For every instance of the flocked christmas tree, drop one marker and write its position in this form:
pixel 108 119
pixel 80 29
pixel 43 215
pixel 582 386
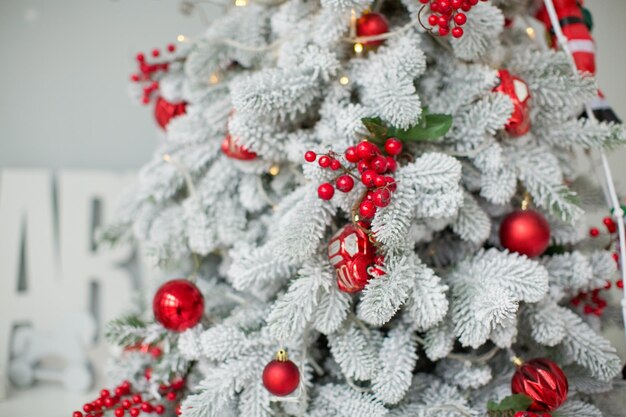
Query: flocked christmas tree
pixel 372 204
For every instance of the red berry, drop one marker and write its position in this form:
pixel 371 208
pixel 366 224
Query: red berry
pixel 391 184
pixel 392 165
pixel 171 396
pixel 178 383
pixel 382 197
pixel 108 402
pixel 362 165
pixel 379 164
pixel 310 156
pixel 460 19
pixel 610 224
pixel 134 77
pixel 368 176
pixel 594 232
pixel 457 32
pixel 601 303
pixel 77 414
pixel 324 161
pixel 379 181
pixel 125 386
pixel 137 398
pixel 424 1
pixel 588 309
pixel 456 4
pixel 366 150
pixel 443 31
pixel 608 285
pixel 171 47
pixel 140 57
pixel 433 20
pixel 325 191
pixel 119 412
pixel 367 209
pixel 393 146
pixel 575 301
pixel 145 99
pixel 444 5
pixel 466 7
pixel 473 2
pixel 345 183
pixel 442 21
pixel 156 52
pixel 105 393
pixel 146 407
pixel 620 284
pixel 352 155
pixel 87 407
pixel 178 410
pixel 126 404
pixel 134 412
pixel 159 409
pixel 335 165
pixel 616 257
pixel 369 196
pixel 119 391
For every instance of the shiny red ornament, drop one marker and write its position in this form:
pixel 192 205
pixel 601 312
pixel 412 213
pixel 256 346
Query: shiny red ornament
pixel 164 111
pixel 178 305
pixel 543 381
pixel 526 232
pixel 372 24
pixel 354 257
pixel 281 376
pixel 232 149
pixel 517 90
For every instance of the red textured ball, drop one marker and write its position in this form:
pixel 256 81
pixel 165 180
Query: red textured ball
pixel 119 412
pixel 366 150
pixel 382 197
pixel 457 32
pixel 368 177
pixel 77 414
pixel 326 191
pixel 345 183
pixel 134 412
pixel 393 146
pixel 526 232
pixel 460 19
pixel 379 164
pixel 310 156
pixel 367 209
pixel 281 377
pixel 352 155
pixel 392 165
pixel 372 24
pixel 335 164
pixel 324 161
pixel 164 111
pixel 543 381
pixel 363 165
pixel 178 305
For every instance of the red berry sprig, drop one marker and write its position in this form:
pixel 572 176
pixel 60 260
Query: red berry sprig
pixel 149 72
pixel 373 167
pixel 448 15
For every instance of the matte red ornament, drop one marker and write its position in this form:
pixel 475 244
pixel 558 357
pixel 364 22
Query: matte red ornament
pixel 178 305
pixel 526 232
pixel 164 111
pixel 281 376
pixel 517 90
pixel 232 149
pixel 543 381
pixel 372 24
pixel 353 256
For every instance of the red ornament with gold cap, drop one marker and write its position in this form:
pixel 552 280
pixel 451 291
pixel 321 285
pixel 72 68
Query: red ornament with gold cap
pixel 543 381
pixel 517 90
pixel 281 376
pixel 234 150
pixel 371 24
pixel 525 231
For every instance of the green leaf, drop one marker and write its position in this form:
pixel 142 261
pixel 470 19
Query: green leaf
pixel 517 402
pixel 430 127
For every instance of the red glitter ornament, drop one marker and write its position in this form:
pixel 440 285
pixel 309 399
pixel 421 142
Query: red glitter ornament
pixel 517 90
pixel 281 376
pixel 178 305
pixel 232 149
pixel 372 24
pixel 164 111
pixel 543 381
pixel 526 232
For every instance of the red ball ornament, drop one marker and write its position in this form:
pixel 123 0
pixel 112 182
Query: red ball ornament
pixel 232 149
pixel 281 376
pixel 372 24
pixel 353 255
pixel 543 381
pixel 178 305
pixel 517 90
pixel 526 232
pixel 164 111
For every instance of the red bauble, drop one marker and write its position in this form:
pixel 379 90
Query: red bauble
pixel 526 232
pixel 232 149
pixel 543 381
pixel 281 376
pixel 353 256
pixel 517 90
pixel 164 111
pixel 178 305
pixel 372 24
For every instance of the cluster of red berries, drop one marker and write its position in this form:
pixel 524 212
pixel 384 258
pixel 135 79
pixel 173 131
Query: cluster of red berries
pixel 446 13
pixel 374 168
pixel 123 400
pixel 593 303
pixel 531 414
pixel 148 71
pixel 610 225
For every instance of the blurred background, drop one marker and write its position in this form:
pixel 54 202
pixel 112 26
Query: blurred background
pixel 69 131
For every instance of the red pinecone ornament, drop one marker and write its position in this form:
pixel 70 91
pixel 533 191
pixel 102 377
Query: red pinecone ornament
pixel 543 381
pixel 232 149
pixel 526 232
pixel 164 111
pixel 178 305
pixel 372 24
pixel 517 90
pixel 281 376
